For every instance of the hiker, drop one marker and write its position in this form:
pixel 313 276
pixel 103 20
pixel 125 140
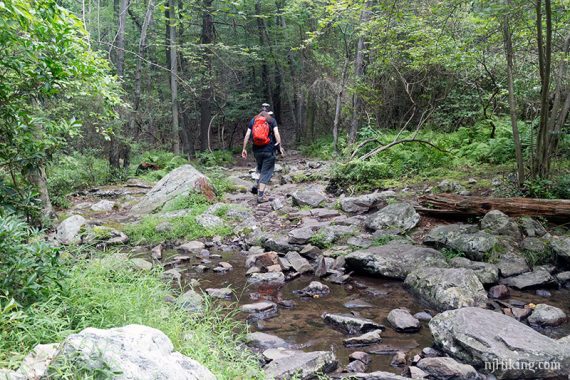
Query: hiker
pixel 266 141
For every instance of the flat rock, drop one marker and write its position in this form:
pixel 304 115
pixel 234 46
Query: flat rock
pixel 180 181
pixel 298 262
pixel 499 292
pixel 209 221
pixel 192 247
pixel 300 235
pixel 301 365
pixel 269 278
pixel 397 216
pixel 464 238
pixel 447 288
pixel 191 301
pixel 36 364
pixel 222 293
pixel 310 198
pixel 262 260
pixel 546 315
pixel 403 321
pixel 498 223
pixel 512 265
pixel 103 205
pixel 133 351
pixel 67 232
pixel 561 247
pixel 447 368
pixel 365 202
pixel 530 280
pixel 265 341
pixel 394 260
pixel 376 375
pixel 315 288
pixel 372 337
pixel 350 324
pixel 477 336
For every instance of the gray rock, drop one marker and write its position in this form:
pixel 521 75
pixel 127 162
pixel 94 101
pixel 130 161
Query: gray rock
pixel 133 352
pixel 487 273
pixel 360 242
pixel 356 366
pixel 350 324
pixel 310 252
pixel 310 198
pixel 563 277
pixel 172 275
pixel 512 265
pixel 103 205
pixel 423 316
pixel 301 365
pixel 561 247
pixel 156 252
pixel 180 181
pixel 447 368
pixel 164 226
pixel 265 341
pixel 364 203
pixel 190 301
pixel 192 247
pixel 300 235
pixel 546 315
pixel 535 245
pixel 399 359
pixel 499 292
pixel 357 304
pixel 403 321
pixel 222 293
pixel 497 223
pixel 531 227
pixel 417 373
pixel 6 374
pixel 463 238
pixel 298 262
pixel 447 186
pixel 36 364
pixel 262 260
pixel 278 244
pixel 394 260
pixel 397 216
pixel 447 288
pixel 259 307
pixel 376 375
pixel 68 231
pixel 209 221
pixel 366 339
pixel 315 288
pixel 141 264
pixel 530 280
pixel 478 336
pixel 269 278
pixel 277 204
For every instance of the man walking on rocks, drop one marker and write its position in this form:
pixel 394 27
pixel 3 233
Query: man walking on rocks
pixel 266 140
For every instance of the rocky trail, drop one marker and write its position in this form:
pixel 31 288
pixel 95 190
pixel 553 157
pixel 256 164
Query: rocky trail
pixel 354 286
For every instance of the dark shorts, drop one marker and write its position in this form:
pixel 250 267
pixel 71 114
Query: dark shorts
pixel 265 165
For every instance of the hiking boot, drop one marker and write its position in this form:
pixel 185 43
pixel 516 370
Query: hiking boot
pixel 254 190
pixel 262 200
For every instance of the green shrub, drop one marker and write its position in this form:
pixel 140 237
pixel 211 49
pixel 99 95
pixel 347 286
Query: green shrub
pixel 29 267
pixel 108 293
pixel 215 158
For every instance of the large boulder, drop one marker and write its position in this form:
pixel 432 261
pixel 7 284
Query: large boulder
pixel 365 202
pixel 394 260
pixel 447 288
pixel 475 244
pixel 536 278
pixel 531 227
pixel 132 352
pixel 561 247
pixel 180 181
pixel 309 198
pixel 546 315
pixel 485 338
pixel 300 365
pixel 498 223
pixel 68 231
pixel 397 216
pixel 36 364
pixel 487 273
pixel 263 341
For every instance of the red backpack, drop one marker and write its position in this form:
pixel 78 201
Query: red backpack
pixel 260 131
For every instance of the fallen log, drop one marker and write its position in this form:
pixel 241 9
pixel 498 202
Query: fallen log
pixel 456 205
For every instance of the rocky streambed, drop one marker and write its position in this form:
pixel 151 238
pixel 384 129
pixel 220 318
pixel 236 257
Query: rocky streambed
pixel 364 286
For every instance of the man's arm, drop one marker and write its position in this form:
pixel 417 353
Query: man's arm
pixel 278 140
pixel 245 140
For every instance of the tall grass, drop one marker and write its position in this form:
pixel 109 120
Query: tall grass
pixel 108 293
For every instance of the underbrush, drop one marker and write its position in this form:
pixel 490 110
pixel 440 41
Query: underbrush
pixel 108 293
pixel 461 154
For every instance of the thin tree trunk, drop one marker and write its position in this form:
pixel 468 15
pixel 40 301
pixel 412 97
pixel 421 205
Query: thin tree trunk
pixel 512 101
pixel 338 106
pixel 265 77
pixel 359 73
pixel 142 50
pixel 37 177
pixel 542 164
pixel 173 74
pixel 206 97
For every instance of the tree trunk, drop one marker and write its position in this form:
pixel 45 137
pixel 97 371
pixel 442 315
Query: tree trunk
pixel 37 177
pixel 457 205
pixel 543 153
pixel 512 101
pixel 138 73
pixel 338 106
pixel 206 97
pixel 267 82
pixel 359 73
pixel 173 76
